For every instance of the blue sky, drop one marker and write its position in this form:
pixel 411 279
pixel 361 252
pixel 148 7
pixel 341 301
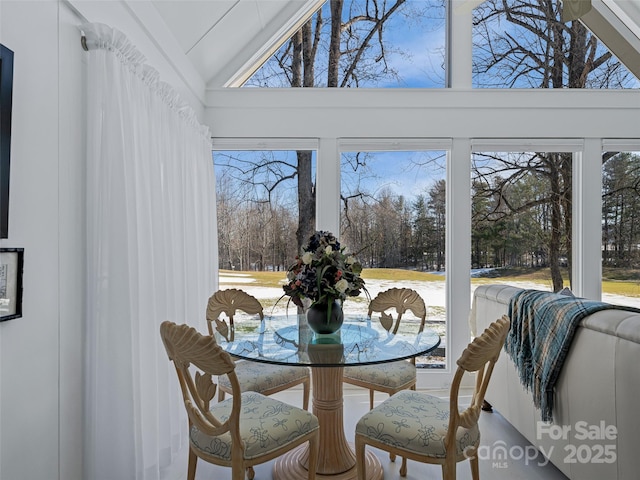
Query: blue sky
pixel 415 45
pixel 404 173
pixel 422 40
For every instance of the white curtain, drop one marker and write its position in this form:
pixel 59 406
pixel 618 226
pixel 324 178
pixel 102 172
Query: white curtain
pixel 151 256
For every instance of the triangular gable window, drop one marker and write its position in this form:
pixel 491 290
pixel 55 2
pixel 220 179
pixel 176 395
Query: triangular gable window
pixel 393 44
pixel 516 46
pixel 402 44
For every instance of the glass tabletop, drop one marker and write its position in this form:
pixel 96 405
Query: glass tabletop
pixel 288 340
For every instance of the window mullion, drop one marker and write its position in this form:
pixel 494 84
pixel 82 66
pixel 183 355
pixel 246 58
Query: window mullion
pixel 586 272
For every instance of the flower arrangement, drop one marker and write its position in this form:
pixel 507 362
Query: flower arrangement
pixel 324 272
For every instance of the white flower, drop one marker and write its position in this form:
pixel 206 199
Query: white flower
pixel 328 250
pixel 307 258
pixel 342 285
pixel 350 260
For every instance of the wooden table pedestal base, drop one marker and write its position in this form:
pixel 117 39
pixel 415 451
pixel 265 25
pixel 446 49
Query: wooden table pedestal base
pixel 291 466
pixel 336 456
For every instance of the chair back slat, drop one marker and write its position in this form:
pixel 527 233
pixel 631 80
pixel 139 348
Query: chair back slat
pixel 486 347
pixel 400 299
pixel 186 347
pixel 480 357
pixel 229 302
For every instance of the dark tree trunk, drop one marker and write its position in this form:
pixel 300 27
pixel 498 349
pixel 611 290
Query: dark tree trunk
pixel 334 44
pixel 306 190
pixel 296 60
pixel 306 199
pixel 566 171
pixel 556 222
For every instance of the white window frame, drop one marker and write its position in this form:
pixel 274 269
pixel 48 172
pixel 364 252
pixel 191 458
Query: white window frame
pixel 456 334
pixel 587 178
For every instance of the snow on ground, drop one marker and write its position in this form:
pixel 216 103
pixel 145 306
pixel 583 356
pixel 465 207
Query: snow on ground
pixel 433 293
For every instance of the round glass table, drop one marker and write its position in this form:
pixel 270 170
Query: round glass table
pixel 288 340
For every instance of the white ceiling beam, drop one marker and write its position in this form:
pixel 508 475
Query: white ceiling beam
pixel 276 30
pixel 192 20
pixel 628 11
pixel 415 113
pixel 614 33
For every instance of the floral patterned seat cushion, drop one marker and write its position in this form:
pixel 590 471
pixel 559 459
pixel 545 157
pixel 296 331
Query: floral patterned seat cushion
pixel 390 375
pixel 258 377
pixel 266 424
pixel 415 422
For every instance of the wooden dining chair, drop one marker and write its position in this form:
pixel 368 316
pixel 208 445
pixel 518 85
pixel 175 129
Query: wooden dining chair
pixel 253 376
pixel 395 376
pixel 243 431
pixel 430 429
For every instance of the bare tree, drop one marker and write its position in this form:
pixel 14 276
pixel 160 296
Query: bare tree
pixel 621 209
pixel 347 52
pixel 536 49
pixel 437 210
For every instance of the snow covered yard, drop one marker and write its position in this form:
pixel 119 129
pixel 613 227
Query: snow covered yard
pixel 433 293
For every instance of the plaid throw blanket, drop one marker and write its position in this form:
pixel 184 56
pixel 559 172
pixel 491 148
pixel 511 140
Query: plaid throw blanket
pixel 542 328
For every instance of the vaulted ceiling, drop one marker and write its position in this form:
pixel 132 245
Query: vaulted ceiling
pixel 617 24
pixel 225 39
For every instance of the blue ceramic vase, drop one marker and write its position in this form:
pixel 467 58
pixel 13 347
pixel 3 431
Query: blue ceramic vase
pixel 323 321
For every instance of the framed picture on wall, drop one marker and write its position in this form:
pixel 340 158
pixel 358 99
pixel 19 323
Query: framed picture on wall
pixel 11 266
pixel 6 95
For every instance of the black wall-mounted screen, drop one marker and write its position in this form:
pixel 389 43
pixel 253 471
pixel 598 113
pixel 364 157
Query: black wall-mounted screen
pixel 6 95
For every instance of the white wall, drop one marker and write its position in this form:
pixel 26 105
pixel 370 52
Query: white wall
pixel 30 346
pixel 41 353
pixel 41 374
pixel 71 248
